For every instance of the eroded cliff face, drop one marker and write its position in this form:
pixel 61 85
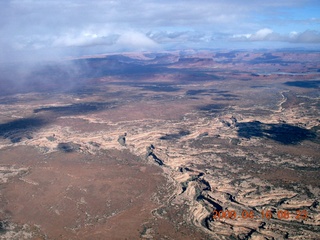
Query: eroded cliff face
pixel 207 158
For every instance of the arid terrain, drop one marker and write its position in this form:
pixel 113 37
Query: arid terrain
pixel 153 145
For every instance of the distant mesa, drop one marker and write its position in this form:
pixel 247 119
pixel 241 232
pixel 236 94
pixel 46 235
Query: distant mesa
pixel 282 133
pixel 268 58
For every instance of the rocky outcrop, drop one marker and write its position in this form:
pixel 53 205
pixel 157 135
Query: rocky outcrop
pixel 122 139
pixel 151 154
pixel 230 122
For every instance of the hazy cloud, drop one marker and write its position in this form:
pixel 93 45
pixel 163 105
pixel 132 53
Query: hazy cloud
pixel 306 37
pixel 84 39
pixel 267 34
pixel 178 36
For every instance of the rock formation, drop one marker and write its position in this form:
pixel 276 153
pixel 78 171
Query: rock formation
pixel 122 139
pixel 153 155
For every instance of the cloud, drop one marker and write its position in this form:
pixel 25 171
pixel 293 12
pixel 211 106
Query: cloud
pixel 178 36
pixel 266 34
pixel 135 40
pixel 49 29
pixel 84 39
pixel 261 35
pixel 306 37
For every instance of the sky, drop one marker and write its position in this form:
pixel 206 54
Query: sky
pixel 41 29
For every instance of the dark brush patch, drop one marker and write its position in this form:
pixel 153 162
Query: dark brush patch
pixel 225 99
pixel 3 227
pixel 10 100
pixel 174 136
pixel 149 86
pixel 282 133
pixel 227 95
pixel 197 76
pixel 77 108
pixel 217 91
pixel 304 84
pixel 99 67
pixel 205 92
pixel 85 90
pixel 213 108
pixel 195 92
pixel 68 147
pixel 231 54
pixel 187 60
pixel 159 88
pixel 17 129
pixel 254 75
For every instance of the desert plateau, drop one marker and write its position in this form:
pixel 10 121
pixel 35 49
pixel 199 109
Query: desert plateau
pixel 188 144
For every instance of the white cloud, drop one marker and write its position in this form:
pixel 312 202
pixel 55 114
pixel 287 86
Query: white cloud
pixel 261 35
pixel 135 40
pixel 293 34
